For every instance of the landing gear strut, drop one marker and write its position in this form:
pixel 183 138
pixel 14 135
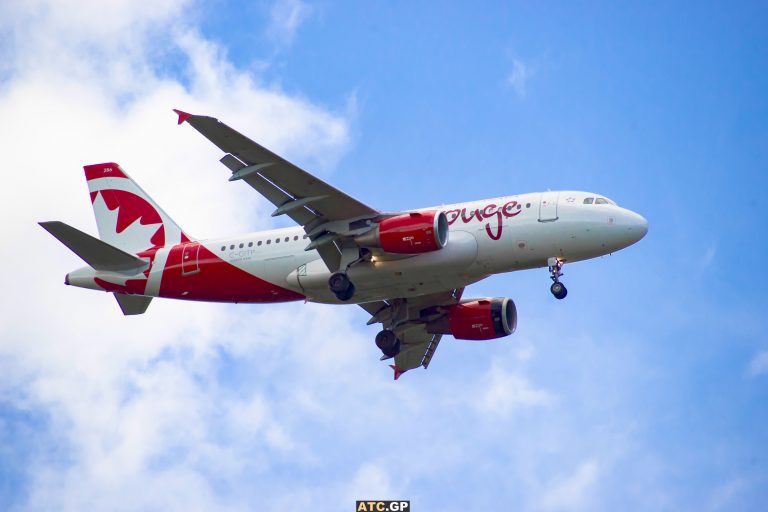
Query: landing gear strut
pixel 341 286
pixel 558 289
pixel 388 343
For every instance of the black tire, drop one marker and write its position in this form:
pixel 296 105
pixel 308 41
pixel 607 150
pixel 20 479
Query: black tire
pixel 388 343
pixel 558 290
pixel 385 339
pixel 339 282
pixel 392 351
pixel 346 294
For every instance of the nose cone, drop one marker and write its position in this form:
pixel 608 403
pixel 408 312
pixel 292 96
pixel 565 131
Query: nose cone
pixel 635 225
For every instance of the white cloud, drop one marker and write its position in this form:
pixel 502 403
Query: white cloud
pixel 507 392
pixel 519 76
pixel 285 18
pixel 371 481
pixel 136 403
pixel 759 364
pixel 573 491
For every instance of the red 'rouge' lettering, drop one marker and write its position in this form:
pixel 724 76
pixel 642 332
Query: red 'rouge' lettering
pixel 488 211
pixel 507 209
pixel 475 213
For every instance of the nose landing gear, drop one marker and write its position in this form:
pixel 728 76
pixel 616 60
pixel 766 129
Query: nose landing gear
pixel 558 289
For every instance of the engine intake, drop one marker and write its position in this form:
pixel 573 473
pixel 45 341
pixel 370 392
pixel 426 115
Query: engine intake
pixel 409 233
pixel 478 319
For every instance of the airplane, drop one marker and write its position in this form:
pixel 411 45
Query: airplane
pixel 407 269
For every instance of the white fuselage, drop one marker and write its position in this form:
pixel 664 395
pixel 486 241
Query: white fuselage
pixel 486 237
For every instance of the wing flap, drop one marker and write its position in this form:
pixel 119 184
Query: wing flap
pixel 414 355
pixel 408 318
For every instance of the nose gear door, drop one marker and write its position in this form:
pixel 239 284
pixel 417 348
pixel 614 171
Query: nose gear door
pixel 548 206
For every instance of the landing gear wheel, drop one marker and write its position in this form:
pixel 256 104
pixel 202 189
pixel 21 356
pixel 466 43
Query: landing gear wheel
pixel 338 282
pixel 388 343
pixel 346 294
pixel 341 286
pixel 559 290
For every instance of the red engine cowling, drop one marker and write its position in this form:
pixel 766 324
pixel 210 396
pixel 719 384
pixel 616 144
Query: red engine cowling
pixel 481 319
pixel 410 233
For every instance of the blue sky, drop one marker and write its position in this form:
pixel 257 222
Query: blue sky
pixel 646 389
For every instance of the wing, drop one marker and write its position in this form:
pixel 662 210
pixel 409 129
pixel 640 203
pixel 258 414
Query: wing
pixel 418 347
pixel 322 210
pixel 408 318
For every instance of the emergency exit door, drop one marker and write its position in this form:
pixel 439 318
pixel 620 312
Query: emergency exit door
pixel 189 254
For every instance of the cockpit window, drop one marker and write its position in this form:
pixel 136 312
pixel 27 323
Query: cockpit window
pixel 601 200
pixel 589 200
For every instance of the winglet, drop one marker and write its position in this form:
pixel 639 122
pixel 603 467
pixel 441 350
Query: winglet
pixel 183 116
pixel 398 371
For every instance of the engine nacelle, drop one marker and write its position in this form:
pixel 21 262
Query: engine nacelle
pixel 480 319
pixel 410 233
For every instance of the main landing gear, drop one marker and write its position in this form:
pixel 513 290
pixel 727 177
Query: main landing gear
pixel 339 282
pixel 341 286
pixel 558 289
pixel 388 343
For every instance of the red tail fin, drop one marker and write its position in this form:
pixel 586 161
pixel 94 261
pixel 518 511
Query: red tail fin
pixel 126 216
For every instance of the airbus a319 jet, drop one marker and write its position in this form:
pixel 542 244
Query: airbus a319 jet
pixel 408 269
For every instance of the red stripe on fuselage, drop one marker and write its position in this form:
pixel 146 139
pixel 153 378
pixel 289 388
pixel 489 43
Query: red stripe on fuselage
pixel 217 281
pixel 131 287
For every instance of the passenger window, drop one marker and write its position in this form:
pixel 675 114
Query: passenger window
pixel 601 200
pixel 250 244
pixel 269 242
pixel 589 200
pixel 232 247
pixel 242 245
pixel 305 236
pixel 223 247
pixel 287 238
pixel 295 238
pixel 258 243
pixel 277 240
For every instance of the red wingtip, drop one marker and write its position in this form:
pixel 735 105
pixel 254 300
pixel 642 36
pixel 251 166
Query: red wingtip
pixel 398 371
pixel 183 116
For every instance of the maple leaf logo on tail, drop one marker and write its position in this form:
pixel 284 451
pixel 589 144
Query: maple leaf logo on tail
pixel 126 216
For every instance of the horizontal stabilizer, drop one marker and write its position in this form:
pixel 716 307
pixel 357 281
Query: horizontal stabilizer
pixel 132 304
pixel 98 254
